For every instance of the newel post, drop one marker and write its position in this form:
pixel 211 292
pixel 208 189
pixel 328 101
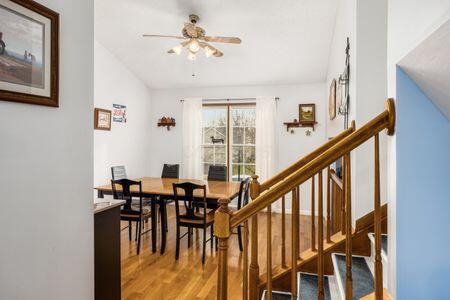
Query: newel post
pixel 255 188
pixel 222 231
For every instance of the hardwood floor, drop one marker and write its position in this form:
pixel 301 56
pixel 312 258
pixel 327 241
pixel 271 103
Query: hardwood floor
pixel 154 276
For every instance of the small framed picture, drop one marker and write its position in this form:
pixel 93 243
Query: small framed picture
pixel 307 113
pixel 102 119
pixel 29 53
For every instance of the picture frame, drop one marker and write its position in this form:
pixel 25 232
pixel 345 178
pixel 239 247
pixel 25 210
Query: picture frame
pixel 102 119
pixel 29 53
pixel 332 100
pixel 307 113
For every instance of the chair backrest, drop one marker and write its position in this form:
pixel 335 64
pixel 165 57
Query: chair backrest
pixel 118 172
pixel 217 173
pixel 126 193
pixel 190 201
pixel 244 191
pixel 170 171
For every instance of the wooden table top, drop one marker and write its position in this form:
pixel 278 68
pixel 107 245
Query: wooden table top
pixel 163 186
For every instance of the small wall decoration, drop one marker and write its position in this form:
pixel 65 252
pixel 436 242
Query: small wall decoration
pixel 307 113
pixel 119 113
pixel 29 53
pixel 332 100
pixel 102 119
pixel 166 122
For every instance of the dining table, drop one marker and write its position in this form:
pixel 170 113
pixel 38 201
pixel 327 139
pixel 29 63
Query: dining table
pixel 160 192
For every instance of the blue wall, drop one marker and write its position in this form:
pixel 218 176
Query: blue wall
pixel 423 195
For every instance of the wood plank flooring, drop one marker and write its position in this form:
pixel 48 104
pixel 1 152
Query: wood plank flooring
pixel 154 276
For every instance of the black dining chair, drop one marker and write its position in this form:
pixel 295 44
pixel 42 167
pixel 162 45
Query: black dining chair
pixel 217 173
pixel 118 172
pixel 243 197
pixel 171 171
pixel 187 215
pixel 131 211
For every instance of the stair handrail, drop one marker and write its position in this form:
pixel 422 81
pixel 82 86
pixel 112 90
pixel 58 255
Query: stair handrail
pixel 289 180
pixel 385 120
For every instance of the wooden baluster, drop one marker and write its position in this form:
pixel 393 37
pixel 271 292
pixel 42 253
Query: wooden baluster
pixel 313 214
pixel 328 205
pixel 320 263
pixel 298 223
pixel 343 172
pixel 269 253
pixel 377 225
pixel 294 243
pixel 283 232
pixel 245 267
pixel 254 266
pixel 348 227
pixel 222 230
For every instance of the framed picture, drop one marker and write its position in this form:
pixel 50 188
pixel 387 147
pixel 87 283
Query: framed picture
pixel 332 101
pixel 119 113
pixel 307 113
pixel 29 53
pixel 102 119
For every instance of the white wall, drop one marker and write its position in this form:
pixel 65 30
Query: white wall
pixel 127 143
pixel 365 23
pixel 291 147
pixel 409 23
pixel 46 220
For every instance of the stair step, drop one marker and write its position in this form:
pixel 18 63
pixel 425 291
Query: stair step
pixel 384 244
pixel 308 286
pixel 277 295
pixel 363 283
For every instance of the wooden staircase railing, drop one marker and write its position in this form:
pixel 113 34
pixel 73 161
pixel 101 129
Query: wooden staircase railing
pixel 289 181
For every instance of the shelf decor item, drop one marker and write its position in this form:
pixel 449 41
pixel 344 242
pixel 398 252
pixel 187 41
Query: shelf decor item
pixel 29 53
pixel 166 122
pixel 102 119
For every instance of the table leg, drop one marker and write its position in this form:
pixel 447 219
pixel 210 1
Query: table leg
pixel 100 194
pixel 154 226
pixel 162 207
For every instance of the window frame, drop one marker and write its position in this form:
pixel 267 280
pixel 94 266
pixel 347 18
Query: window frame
pixel 229 128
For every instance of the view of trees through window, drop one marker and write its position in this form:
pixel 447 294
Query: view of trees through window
pixel 236 123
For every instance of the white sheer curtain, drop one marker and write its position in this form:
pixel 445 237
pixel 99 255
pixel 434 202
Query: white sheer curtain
pixel 266 151
pixel 192 139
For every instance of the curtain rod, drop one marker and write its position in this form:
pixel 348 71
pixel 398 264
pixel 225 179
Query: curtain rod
pixel 231 99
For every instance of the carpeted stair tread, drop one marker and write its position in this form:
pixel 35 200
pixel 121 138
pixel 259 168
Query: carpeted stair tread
pixel 362 277
pixel 308 286
pixel 276 295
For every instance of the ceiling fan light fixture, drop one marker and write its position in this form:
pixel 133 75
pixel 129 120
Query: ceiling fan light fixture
pixel 191 56
pixel 194 46
pixel 177 49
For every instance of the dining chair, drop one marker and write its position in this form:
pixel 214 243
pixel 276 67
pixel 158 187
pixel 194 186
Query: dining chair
pixel 131 211
pixel 217 173
pixel 118 172
pixel 190 217
pixel 243 197
pixel 171 171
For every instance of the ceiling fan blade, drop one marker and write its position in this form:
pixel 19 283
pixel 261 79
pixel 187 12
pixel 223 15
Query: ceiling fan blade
pixel 217 52
pixel 164 36
pixel 222 39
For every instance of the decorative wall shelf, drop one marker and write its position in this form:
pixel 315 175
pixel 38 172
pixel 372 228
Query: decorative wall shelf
pixel 297 124
pixel 166 122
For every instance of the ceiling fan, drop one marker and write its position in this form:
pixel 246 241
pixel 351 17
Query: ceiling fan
pixel 194 39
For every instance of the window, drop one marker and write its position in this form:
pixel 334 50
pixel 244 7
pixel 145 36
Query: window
pixel 229 139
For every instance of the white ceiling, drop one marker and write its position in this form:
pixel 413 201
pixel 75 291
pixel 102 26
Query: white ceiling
pixel 283 41
pixel 429 66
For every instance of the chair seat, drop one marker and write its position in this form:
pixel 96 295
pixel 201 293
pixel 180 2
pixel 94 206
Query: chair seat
pixel 209 218
pixel 134 213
